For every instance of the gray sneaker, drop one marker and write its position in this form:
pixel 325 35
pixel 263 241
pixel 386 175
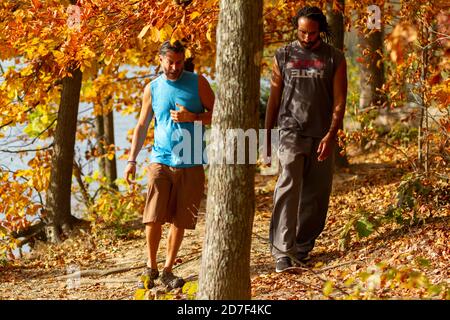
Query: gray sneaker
pixel 283 264
pixel 147 279
pixel 171 281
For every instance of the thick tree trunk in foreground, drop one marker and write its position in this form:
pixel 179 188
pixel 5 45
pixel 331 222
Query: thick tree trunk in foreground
pixel 58 217
pixel 225 268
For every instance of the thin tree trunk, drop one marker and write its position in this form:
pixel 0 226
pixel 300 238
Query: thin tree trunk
pixel 225 267
pixel 336 22
pixel 111 166
pixel 422 138
pixel 105 138
pixel 100 133
pixel 372 71
pixel 58 212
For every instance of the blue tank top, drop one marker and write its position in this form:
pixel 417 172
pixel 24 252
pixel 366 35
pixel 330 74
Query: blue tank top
pixel 176 144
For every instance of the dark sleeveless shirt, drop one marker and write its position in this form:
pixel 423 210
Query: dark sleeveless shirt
pixel 307 98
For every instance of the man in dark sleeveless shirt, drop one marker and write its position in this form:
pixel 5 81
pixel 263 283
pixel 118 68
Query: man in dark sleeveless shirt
pixel 307 97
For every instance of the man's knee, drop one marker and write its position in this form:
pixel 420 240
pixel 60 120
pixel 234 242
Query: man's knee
pixel 154 225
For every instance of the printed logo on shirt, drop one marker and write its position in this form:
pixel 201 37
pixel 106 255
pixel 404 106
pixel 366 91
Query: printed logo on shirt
pixel 302 68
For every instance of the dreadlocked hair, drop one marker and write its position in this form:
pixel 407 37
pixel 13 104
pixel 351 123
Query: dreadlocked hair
pixel 314 13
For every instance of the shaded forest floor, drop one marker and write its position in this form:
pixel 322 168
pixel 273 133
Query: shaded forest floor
pixel 397 260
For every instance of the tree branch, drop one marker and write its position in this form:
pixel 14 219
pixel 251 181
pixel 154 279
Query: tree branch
pixel 27 150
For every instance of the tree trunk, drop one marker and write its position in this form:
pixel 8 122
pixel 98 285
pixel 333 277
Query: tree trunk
pixel 58 217
pixel 111 167
pixel 225 267
pixel 105 138
pixel 100 133
pixel 372 70
pixel 336 22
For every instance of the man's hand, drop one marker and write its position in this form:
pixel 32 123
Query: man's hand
pixel 130 170
pixel 267 157
pixel 325 147
pixel 183 115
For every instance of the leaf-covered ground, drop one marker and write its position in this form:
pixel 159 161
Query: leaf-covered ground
pixel 398 258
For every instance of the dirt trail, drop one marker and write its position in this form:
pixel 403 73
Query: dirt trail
pixel 110 267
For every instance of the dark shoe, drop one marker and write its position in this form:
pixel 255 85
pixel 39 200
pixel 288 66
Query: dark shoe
pixel 302 259
pixel 171 281
pixel 147 279
pixel 283 264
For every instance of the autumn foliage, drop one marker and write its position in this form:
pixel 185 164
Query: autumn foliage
pixel 42 40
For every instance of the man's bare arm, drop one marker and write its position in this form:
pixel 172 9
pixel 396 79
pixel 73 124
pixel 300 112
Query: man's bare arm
pixel 273 104
pixel 140 132
pixel 339 98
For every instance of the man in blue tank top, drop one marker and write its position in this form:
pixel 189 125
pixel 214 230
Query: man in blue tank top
pixel 307 99
pixel 182 103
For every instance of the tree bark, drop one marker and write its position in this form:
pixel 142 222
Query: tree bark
pixel 336 23
pixel 58 216
pixel 100 135
pixel 372 70
pixel 110 165
pixel 105 138
pixel 225 267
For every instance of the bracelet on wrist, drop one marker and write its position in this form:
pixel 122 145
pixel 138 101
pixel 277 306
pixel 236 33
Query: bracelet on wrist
pixel 131 162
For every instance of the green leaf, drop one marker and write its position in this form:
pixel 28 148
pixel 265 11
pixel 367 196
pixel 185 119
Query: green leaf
pixel 423 262
pixel 364 227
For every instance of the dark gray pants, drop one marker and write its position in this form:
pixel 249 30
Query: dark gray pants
pixel 301 195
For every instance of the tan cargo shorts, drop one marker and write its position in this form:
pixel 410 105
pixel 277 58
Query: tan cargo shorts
pixel 174 195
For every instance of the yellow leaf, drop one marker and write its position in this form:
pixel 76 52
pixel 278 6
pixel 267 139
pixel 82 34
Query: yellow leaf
pixel 108 60
pixel 42 50
pixel 328 288
pixel 318 265
pixel 211 4
pixel 165 33
pixel 26 71
pixel 139 294
pixel 209 34
pixel 155 35
pixel 177 34
pixel 195 14
pixel 143 31
pixel 190 288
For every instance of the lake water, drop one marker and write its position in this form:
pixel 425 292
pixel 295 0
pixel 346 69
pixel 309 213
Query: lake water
pixel 16 161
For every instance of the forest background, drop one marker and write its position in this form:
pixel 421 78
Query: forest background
pixel 61 163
